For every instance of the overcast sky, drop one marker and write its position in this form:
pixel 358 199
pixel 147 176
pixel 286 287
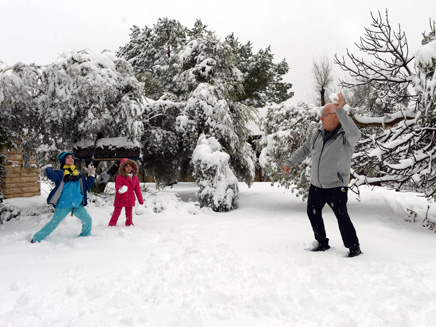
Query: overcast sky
pixel 297 30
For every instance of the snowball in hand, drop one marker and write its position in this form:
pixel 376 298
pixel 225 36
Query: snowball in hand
pixel 334 98
pixel 123 189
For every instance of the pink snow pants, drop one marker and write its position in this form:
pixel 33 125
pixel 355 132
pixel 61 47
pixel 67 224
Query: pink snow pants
pixel 116 214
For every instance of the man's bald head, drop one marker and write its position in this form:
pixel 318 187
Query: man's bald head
pixel 329 118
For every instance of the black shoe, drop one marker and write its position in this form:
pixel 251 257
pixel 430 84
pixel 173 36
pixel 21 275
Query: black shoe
pixel 32 241
pixel 354 252
pixel 321 247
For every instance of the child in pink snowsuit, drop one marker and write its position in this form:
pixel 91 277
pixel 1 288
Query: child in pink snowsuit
pixel 126 186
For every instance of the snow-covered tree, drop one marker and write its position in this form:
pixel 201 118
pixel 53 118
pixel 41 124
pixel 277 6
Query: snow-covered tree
pixel 218 184
pixel 390 72
pixel 20 87
pixel 153 52
pixel 286 127
pixel 322 74
pixel 402 157
pixel 201 91
pixel 162 149
pixel 208 87
pixel 262 78
pixel 367 101
pixel 86 95
pixel 212 108
pixel 19 90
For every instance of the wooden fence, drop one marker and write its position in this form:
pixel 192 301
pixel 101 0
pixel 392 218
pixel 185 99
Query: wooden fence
pixel 19 181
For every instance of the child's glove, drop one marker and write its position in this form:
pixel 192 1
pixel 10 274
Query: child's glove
pixel 140 209
pixel 123 189
pixel 91 170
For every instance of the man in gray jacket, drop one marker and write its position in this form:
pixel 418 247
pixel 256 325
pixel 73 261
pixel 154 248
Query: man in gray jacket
pixel 331 148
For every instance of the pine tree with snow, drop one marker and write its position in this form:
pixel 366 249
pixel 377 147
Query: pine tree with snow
pixel 212 108
pixel 262 78
pixel 198 74
pixel 153 53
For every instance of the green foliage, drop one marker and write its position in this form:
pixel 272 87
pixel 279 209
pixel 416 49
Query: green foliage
pixel 262 78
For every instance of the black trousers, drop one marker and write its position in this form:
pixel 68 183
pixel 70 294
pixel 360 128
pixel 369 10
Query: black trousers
pixel 337 199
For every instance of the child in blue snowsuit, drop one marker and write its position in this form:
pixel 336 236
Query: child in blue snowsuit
pixel 69 195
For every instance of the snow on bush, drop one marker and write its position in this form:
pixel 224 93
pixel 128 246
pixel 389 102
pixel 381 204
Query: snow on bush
pixel 7 212
pixel 212 172
pixel 286 127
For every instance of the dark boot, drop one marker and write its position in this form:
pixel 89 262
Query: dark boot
pixel 354 251
pixel 324 246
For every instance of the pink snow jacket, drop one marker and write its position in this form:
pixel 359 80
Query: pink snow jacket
pixel 127 199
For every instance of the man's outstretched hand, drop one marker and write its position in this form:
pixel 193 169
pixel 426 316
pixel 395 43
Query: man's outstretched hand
pixel 286 169
pixel 341 101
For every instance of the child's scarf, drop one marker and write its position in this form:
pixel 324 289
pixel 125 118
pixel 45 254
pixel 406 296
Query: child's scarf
pixel 70 173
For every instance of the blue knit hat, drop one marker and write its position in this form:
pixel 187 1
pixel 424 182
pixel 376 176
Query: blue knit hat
pixel 62 156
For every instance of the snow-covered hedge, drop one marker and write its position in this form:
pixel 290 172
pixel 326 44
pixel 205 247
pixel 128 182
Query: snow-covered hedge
pixel 8 212
pixel 218 184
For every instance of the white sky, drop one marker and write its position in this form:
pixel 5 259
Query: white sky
pixel 297 30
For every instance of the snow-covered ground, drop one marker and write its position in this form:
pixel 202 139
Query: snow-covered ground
pixel 184 266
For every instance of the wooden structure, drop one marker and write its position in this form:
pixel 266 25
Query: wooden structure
pixel 19 181
pixel 107 149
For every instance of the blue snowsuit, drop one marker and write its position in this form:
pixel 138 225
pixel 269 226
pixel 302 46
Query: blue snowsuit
pixel 67 197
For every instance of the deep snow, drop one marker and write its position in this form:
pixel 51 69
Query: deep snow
pixel 185 266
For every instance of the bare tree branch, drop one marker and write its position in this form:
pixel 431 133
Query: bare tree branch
pixel 390 67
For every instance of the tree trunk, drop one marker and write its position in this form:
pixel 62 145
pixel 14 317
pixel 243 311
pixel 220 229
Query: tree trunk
pixel 322 97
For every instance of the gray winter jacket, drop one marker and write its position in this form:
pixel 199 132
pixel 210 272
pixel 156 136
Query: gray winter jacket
pixel 331 161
